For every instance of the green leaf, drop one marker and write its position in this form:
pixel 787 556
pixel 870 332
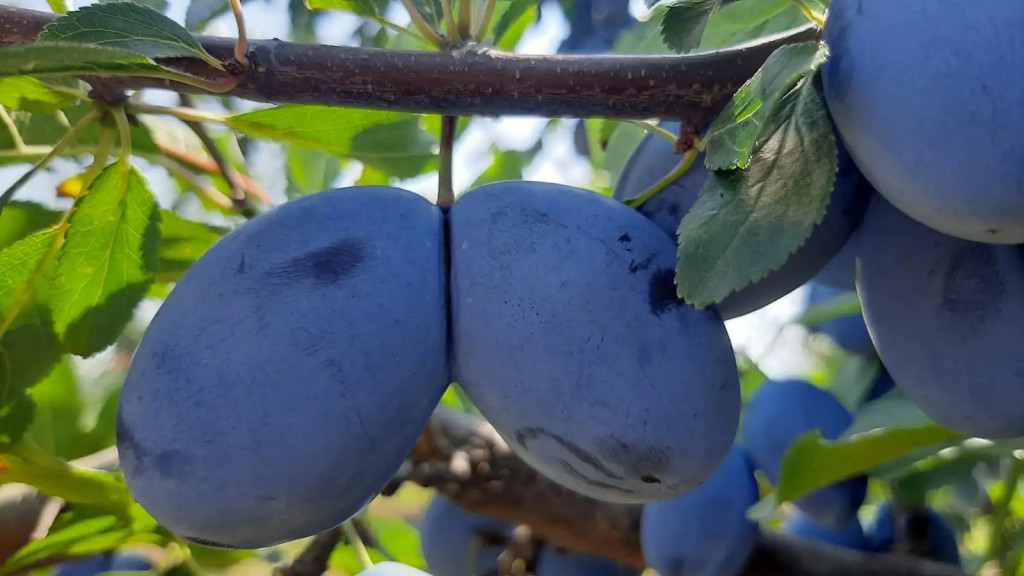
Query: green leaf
pixel 516 9
pixel 31 95
pixel 891 411
pixel 832 309
pixel 130 27
pixel 310 171
pixel 400 539
pixel 15 418
pixel 683 23
pixel 391 141
pixel 57 427
pixel 64 59
pixel 365 8
pixel 19 219
pixel 505 166
pixel 182 242
pixel 107 262
pixel 747 223
pixel 735 135
pixel 813 462
pixel 431 11
pixel 747 20
pixel 90 533
pixel 29 349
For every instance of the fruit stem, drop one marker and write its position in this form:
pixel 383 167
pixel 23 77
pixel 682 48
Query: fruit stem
pixel 445 189
pixel 653 129
pixel 684 165
pixel 483 25
pixel 466 19
pixel 810 13
pixel 838 307
pixel 999 549
pixel 421 24
pixel 19 142
pixel 449 21
pixel 352 535
pixel 242 45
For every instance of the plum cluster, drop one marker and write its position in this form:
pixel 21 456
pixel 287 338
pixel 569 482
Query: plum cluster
pixel 289 373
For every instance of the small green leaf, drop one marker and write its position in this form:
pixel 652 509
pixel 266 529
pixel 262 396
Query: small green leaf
pixel 15 418
pixel 683 23
pixel 890 411
pixel 516 9
pixel 832 309
pixel 130 27
pixel 747 20
pixel 182 242
pixel 107 262
pixel 91 533
pixel 736 134
pixel 391 141
pixel 19 219
pixel 813 462
pixel 31 95
pixel 64 59
pixel 505 166
pixel 58 6
pixel 57 426
pixel 310 171
pixel 399 539
pixel 747 223
pixel 365 8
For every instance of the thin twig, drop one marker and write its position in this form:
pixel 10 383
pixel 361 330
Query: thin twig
pixel 238 195
pixel 242 46
pixel 352 535
pixel 313 560
pixel 19 142
pixel 181 113
pixel 192 179
pixel 682 168
pixel 445 188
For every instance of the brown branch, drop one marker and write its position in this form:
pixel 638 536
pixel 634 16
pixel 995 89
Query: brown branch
pixel 471 81
pixel 313 560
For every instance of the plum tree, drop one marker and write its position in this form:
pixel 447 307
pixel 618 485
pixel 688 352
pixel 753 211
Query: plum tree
pixel 100 563
pixel 918 525
pixel 569 338
pixel 943 58
pixel 946 315
pixel 655 159
pixel 705 532
pixel 848 332
pixel 779 413
pixel 393 569
pixel 453 541
pixel 331 307
pixel 849 535
pixel 555 562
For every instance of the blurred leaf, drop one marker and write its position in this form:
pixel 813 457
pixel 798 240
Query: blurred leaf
pixel 357 7
pixel 346 559
pixel 431 11
pixel 751 376
pixel 57 424
pixel 31 95
pixel 399 539
pixel 130 27
pixel 739 130
pixel 890 411
pixel 201 12
pixel 89 533
pixel 310 171
pixel 47 129
pixel 69 59
pixel 813 462
pixel 621 145
pixel 58 6
pixel 682 25
pixel 747 223
pixel 504 166
pixel 182 242
pixel 28 347
pixel 942 468
pixel 15 418
pixel 514 10
pixel 108 260
pixel 391 141
pixel 511 36
pixel 832 309
pixel 19 219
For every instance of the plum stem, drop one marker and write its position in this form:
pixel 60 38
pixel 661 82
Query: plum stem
pixel 484 23
pixel 421 25
pixel 809 12
pixel 466 19
pixel 684 165
pixel 454 36
pixel 352 535
pixel 445 189
pixel 242 46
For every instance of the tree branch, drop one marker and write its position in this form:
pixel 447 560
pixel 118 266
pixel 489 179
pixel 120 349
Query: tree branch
pixel 470 81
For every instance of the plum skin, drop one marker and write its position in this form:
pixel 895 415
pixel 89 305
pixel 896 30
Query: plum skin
pixel 776 416
pixel 446 539
pixel 307 339
pixel 553 562
pixel 654 159
pixel 942 542
pixel 704 532
pixel 951 160
pixel 946 316
pixel 849 535
pixel 849 332
pixel 568 337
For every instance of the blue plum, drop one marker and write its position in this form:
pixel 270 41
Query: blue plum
pixel 100 563
pixel 883 385
pixel 849 332
pixel 290 371
pixel 705 532
pixel 849 535
pixel 926 525
pixel 596 25
pixel 568 336
pixel 952 159
pixel 776 416
pixel 946 316
pixel 553 562
pixel 841 272
pixel 450 538
pixel 393 569
pixel 654 159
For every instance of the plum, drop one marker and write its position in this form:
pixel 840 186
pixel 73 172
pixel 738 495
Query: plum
pixel 705 532
pixel 777 415
pixel 596 25
pixel 290 371
pixel 554 562
pixel 841 272
pixel 568 336
pixel 920 525
pixel 947 318
pixel 101 563
pixel 451 537
pixel 849 332
pixel 849 535
pixel 952 158
pixel 393 569
pixel 654 159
